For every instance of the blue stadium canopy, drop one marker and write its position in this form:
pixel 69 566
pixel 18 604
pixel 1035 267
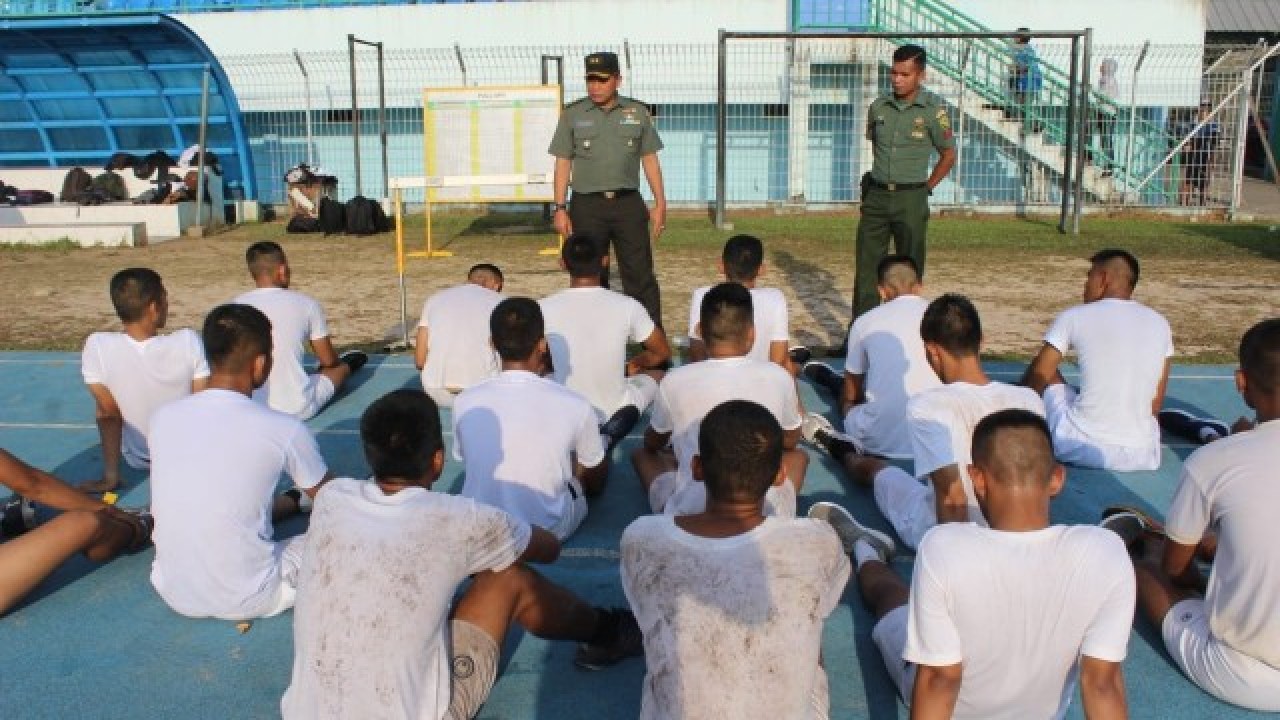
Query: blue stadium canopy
pixel 75 90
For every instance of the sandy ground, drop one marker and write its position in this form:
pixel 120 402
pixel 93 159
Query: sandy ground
pixel 54 297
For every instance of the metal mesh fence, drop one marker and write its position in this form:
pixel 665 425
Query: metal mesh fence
pixel 796 116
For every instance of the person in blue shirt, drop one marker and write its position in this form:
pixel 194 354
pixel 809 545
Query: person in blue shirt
pixel 1025 78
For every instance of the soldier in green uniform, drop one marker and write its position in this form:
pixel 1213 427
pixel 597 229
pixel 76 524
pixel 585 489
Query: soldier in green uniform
pixel 904 129
pixel 603 140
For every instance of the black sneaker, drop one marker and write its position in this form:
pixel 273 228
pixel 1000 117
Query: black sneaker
pixel 617 427
pixel 822 375
pixel 819 432
pixel 799 354
pixel 1188 426
pixel 17 517
pixel 627 642
pixel 354 359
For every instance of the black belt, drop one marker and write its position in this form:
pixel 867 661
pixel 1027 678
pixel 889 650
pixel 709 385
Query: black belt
pixel 894 187
pixel 608 194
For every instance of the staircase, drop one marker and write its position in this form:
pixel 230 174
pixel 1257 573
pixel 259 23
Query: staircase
pixel 985 71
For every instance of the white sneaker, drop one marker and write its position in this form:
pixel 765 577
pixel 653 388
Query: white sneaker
pixel 817 430
pixel 851 531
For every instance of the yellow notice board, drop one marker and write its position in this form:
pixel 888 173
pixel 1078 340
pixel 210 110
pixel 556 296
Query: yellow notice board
pixel 487 132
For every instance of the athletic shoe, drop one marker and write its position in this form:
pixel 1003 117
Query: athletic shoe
pixel 302 499
pixel 1196 429
pixel 818 431
pixel 1149 523
pixel 617 427
pixel 799 354
pixel 851 531
pixel 17 517
pixel 821 374
pixel 139 520
pixel 627 642
pixel 1127 525
pixel 354 359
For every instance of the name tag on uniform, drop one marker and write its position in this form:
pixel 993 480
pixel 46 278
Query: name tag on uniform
pixel 584 123
pixel 629 117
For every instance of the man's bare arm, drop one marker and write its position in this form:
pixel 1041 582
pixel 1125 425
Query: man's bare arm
pixel 199 384
pixel 946 160
pixel 854 392
pixel 325 354
pixel 1178 564
pixel 935 692
pixel 110 434
pixel 420 347
pixel 658 213
pixel 1043 370
pixel 592 478
pixel 543 547
pixel 656 352
pixel 1158 400
pixel 311 491
pixel 1102 689
pixel 948 492
pixel 560 193
pixel 40 487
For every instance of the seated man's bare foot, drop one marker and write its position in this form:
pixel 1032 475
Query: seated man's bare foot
pixel 95 487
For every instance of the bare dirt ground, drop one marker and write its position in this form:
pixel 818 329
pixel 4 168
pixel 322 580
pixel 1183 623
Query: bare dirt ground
pixel 54 297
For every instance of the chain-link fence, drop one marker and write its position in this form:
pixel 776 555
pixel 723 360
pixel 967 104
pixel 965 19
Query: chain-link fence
pixel 796 113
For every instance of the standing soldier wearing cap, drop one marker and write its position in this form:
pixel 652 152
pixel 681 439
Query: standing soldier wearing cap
pixel 904 129
pixel 603 140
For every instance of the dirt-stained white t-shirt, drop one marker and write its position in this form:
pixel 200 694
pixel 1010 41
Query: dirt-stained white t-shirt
pixel 769 314
pixel 691 499
pixel 732 626
pixel 370 627
pixel 1018 609
pixel 142 376
pixel 942 421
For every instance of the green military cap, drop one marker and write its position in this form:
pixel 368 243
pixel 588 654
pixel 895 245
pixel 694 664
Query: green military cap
pixel 602 65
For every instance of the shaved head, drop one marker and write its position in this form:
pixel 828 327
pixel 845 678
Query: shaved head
pixel 1013 447
pixel 898 272
pixel 1117 263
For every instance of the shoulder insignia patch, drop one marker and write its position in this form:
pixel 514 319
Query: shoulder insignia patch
pixel 944 121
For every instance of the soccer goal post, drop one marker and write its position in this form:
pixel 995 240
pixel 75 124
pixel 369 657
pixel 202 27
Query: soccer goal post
pixel 791 115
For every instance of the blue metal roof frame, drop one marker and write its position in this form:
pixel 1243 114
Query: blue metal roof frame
pixel 75 90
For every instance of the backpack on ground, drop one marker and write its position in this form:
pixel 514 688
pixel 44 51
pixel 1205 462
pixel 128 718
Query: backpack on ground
pixel 111 186
pixel 333 216
pixel 302 224
pixel 365 217
pixel 76 182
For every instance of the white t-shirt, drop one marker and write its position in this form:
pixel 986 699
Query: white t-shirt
pixel 885 347
pixel 458 351
pixel 769 312
pixel 732 626
pixel 942 420
pixel 689 392
pixel 1121 347
pixel 1018 609
pixel 588 330
pixel 517 435
pixel 216 458
pixel 142 376
pixel 370 628
pixel 1231 485
pixel 296 319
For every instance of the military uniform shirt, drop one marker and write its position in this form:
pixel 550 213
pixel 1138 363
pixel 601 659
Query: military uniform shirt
pixel 605 145
pixel 904 135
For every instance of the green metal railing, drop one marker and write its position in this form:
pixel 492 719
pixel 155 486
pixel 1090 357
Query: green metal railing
pixel 986 74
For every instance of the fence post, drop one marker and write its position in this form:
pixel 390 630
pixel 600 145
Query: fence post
pixel 722 126
pixel 204 129
pixel 306 89
pixel 355 110
pixel 1237 154
pixel 382 123
pixel 959 131
pixel 1069 136
pixel 1086 64
pixel 1133 115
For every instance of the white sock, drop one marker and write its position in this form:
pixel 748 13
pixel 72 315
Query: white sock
pixel 864 551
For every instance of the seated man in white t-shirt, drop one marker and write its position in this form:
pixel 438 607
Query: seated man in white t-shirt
pixel 216 458
pixel 1224 635
pixel 377 632
pixel 885 366
pixel 85 525
pixel 664 463
pixel 131 373
pixel 742 262
pixel 1001 622
pixel 529 445
pixel 1123 349
pixel 726 593
pixel 296 320
pixel 588 328
pixel 941 423
pixel 452 350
